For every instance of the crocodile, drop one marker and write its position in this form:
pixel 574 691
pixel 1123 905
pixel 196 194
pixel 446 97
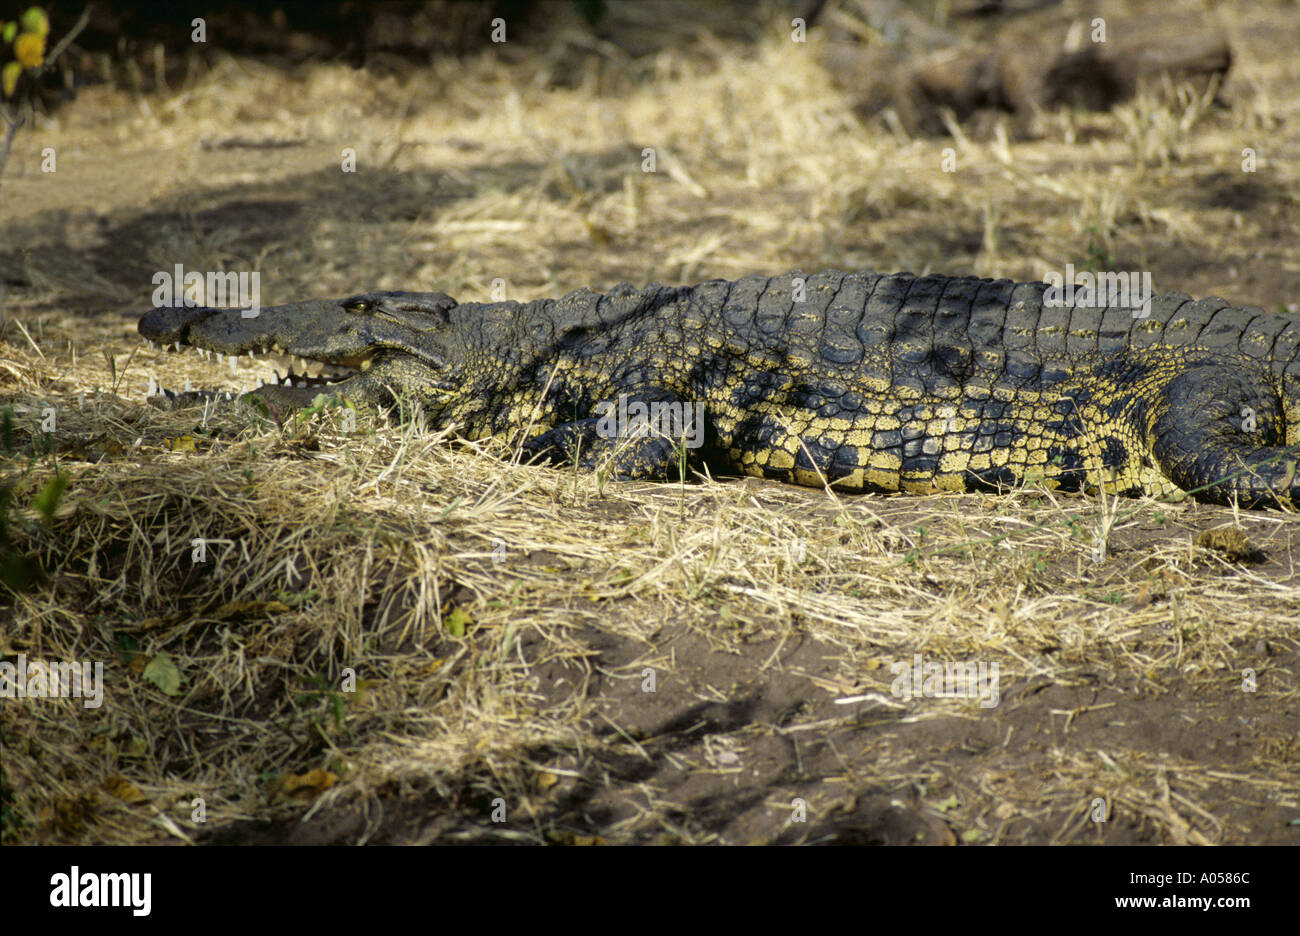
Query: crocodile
pixel 856 382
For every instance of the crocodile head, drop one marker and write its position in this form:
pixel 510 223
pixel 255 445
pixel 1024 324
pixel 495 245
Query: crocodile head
pixel 369 347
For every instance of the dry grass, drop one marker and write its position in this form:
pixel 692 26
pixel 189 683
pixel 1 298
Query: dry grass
pixel 759 607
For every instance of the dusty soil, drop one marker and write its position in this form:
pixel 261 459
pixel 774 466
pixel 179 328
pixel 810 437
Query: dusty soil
pixel 546 657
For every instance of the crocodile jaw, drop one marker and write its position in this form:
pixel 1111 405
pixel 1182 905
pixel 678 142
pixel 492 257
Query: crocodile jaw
pixel 346 336
pixel 316 330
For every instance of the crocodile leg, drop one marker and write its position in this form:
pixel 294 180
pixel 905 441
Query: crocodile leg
pixel 1220 434
pixel 642 437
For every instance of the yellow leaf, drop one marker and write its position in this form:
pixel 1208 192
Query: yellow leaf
pixel 561 837
pixel 121 788
pixel 249 609
pixel 136 747
pixel 183 443
pixel 9 77
pixel 546 780
pixel 29 49
pixel 312 783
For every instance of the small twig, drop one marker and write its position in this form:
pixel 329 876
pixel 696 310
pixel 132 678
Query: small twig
pixel 64 42
pixel 26 334
pixel 9 136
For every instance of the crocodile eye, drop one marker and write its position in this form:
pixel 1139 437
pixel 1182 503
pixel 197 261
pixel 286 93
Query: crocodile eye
pixel 358 305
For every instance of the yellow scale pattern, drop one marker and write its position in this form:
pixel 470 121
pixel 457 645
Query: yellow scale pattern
pixel 766 382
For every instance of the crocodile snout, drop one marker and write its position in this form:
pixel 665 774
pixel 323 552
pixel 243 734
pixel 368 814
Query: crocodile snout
pixel 169 323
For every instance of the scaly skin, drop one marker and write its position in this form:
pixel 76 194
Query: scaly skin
pixel 870 383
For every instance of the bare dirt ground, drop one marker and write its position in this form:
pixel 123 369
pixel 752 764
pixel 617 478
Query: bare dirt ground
pixel 392 638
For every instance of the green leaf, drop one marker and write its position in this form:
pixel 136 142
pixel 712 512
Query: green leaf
pixel 34 20
pixel 10 30
pixel 162 672
pixel 48 499
pixel 9 77
pixel 455 622
pixel 127 647
pixel 18 572
pixel 593 11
